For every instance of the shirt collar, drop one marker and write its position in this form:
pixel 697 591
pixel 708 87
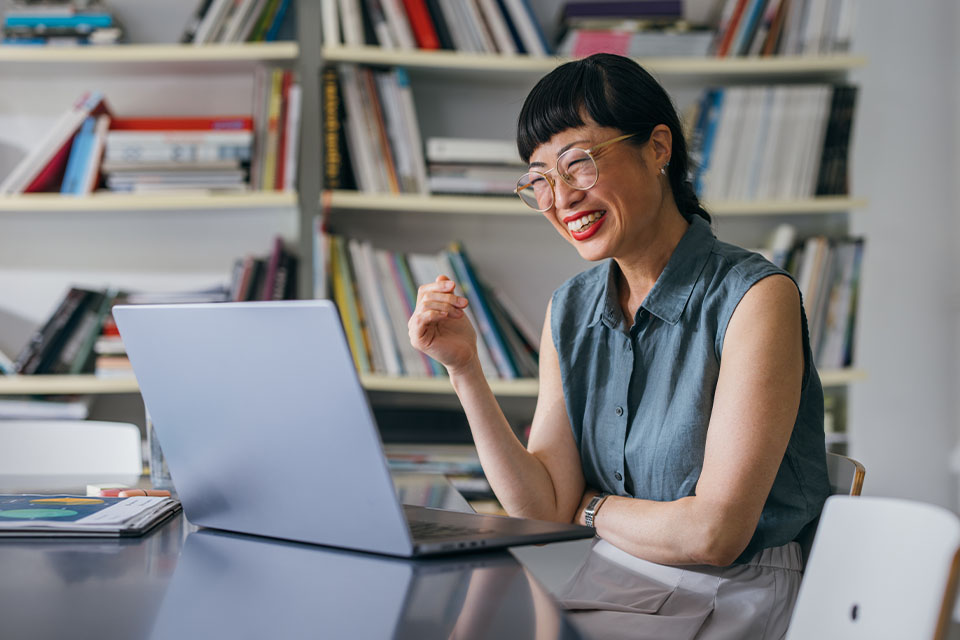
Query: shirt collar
pixel 670 293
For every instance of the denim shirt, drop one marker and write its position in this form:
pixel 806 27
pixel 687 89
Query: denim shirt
pixel 640 398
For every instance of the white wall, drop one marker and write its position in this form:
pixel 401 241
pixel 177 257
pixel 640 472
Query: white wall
pixel 904 418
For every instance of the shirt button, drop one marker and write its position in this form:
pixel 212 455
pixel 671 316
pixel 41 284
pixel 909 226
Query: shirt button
pixel 619 411
pixel 618 476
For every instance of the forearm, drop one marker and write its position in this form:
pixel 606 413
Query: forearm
pixel 687 531
pixel 520 481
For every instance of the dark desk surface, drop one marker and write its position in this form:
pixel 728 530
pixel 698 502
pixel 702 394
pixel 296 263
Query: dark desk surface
pixel 180 582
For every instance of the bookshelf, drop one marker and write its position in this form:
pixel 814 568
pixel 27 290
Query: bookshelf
pixel 51 202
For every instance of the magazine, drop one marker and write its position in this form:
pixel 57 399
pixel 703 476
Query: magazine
pixel 73 515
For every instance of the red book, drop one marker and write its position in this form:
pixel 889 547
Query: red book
pixel 421 24
pixel 281 129
pixel 730 29
pixel 213 123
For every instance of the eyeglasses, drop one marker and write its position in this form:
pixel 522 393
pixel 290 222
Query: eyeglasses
pixel 576 167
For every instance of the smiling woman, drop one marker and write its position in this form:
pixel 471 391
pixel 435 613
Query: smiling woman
pixel 679 412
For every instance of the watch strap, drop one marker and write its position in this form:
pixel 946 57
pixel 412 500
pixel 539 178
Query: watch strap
pixel 590 513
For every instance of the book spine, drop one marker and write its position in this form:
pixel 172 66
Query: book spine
pixel 292 139
pixel 422 24
pixel 439 21
pixel 79 152
pixel 84 326
pixel 332 130
pixel 330 23
pixel 282 130
pixel 274 29
pixel 474 294
pixel 409 291
pixel 342 295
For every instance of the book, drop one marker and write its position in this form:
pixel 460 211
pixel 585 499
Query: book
pixel 337 173
pixel 44 345
pixel 330 22
pixel 472 151
pixel 422 24
pixel 82 516
pixel 43 167
pixel 212 21
pixel 79 156
pixel 48 408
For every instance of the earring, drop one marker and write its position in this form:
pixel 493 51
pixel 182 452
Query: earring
pixel 663 170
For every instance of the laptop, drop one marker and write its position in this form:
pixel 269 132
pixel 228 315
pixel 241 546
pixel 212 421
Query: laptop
pixel 266 430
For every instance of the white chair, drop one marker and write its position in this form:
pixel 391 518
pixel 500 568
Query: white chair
pixel 69 448
pixel 879 568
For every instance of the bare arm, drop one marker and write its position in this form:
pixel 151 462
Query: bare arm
pixel 545 482
pixel 755 407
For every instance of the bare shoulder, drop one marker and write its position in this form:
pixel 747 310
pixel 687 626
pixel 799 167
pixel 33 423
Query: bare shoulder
pixel 774 297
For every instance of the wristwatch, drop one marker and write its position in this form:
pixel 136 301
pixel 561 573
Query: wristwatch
pixel 592 507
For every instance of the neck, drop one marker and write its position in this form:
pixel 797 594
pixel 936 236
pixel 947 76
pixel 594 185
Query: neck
pixel 640 269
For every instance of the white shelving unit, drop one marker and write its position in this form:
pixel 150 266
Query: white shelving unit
pixel 105 201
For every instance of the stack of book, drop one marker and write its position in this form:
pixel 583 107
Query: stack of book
pixel 59 24
pixel 635 28
pixel 473 167
pixel 507 27
pixel 276 120
pixel 828 274
pixel 774 142
pixel 784 27
pixel 376 291
pixel 384 147
pixel 269 277
pixel 232 21
pixel 150 154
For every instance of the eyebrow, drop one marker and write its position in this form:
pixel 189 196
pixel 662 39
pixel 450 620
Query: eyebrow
pixel 565 148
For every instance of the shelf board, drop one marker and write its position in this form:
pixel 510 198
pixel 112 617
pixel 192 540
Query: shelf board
pixel 147 202
pixel 524 388
pixel 179 57
pixel 521 64
pixel 493 205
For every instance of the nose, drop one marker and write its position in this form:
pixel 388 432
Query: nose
pixel 565 196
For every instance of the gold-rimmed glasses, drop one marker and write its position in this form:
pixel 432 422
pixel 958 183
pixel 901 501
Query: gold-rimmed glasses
pixel 576 167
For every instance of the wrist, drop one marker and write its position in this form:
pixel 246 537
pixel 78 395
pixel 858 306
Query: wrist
pixel 469 369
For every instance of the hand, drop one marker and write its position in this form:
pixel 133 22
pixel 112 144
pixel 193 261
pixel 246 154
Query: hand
pixel 439 327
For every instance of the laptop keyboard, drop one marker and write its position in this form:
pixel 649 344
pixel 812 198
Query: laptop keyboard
pixel 436 531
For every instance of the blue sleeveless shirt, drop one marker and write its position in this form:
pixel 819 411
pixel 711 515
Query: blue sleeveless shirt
pixel 639 399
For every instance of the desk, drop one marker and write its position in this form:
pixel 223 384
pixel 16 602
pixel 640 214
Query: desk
pixel 181 582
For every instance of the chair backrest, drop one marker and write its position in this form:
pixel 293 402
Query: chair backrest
pixel 69 447
pixel 846 475
pixel 879 568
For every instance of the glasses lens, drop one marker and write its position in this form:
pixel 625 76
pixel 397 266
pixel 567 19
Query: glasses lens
pixel 535 191
pixel 577 168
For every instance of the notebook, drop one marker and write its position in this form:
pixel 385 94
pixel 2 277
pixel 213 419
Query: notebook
pixel 266 430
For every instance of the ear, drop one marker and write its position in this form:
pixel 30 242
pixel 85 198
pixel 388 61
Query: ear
pixel 661 142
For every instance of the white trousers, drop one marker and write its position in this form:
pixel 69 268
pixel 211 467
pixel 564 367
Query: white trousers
pixel 616 595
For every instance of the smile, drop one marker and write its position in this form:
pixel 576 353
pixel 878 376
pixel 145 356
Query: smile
pixel 583 222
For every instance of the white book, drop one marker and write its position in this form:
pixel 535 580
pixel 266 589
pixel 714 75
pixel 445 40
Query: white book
pixel 19 409
pixel 813 26
pixel 330 23
pixel 399 24
pixel 750 138
pixel 806 106
pixel 365 285
pixel 412 129
pixel 472 150
pixel 292 139
pixel 478 26
pixel 772 153
pixel 529 332
pixel 829 355
pixel 352 23
pixel 394 122
pixel 355 127
pixel 487 363
pixel 809 271
pixel 523 22
pixel 27 170
pixel 463 37
pixel 251 20
pixel 216 138
pixel 92 169
pixel 781 243
pixel 793 28
pixel 723 154
pixel 791 143
pixel 825 277
pixel 238 18
pixel 380 151
pixel 413 362
pixel 498 27
pixel 764 119
pixel 378 314
pixel 843 34
pixel 212 21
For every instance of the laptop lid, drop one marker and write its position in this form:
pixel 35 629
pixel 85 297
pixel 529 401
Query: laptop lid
pixel 263 422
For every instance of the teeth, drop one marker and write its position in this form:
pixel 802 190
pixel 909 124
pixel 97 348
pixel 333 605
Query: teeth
pixel 576 225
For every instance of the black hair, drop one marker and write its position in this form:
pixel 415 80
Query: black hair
pixel 614 92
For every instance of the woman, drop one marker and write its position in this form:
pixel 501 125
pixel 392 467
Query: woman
pixel 679 410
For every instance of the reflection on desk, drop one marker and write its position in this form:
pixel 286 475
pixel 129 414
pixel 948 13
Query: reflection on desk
pixel 230 585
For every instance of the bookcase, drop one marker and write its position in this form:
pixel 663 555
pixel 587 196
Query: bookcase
pixel 468 95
